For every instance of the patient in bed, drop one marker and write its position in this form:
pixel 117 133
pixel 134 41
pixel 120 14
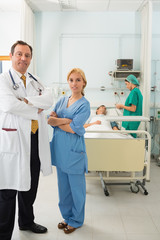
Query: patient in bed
pixel 100 123
pixel 100 119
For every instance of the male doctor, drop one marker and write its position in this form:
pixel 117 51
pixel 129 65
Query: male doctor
pixel 24 143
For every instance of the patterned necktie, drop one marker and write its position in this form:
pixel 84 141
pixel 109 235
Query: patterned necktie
pixel 34 125
pixel 23 77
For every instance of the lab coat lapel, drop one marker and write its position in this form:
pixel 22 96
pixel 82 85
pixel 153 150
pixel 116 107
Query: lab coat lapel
pixel 16 77
pixel 30 89
pixel 20 92
pixel 28 80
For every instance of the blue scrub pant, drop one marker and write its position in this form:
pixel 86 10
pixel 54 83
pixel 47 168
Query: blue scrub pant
pixel 72 196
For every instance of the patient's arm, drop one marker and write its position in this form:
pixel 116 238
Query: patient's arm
pixel 90 124
pixel 114 125
pixel 115 128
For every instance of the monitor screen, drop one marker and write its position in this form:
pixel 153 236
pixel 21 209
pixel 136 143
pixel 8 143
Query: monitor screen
pixel 124 64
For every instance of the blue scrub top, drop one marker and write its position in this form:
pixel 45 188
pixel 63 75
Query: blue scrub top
pixel 68 150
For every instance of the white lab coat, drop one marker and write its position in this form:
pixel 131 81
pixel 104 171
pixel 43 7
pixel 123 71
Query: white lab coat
pixel 15 131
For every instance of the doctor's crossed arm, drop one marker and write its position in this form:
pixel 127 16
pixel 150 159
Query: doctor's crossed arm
pixel 39 109
pixel 12 102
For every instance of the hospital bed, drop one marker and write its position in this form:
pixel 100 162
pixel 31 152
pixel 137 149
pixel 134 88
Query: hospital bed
pixel 120 161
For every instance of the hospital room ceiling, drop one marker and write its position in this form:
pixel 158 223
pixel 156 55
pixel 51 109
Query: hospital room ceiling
pixel 78 5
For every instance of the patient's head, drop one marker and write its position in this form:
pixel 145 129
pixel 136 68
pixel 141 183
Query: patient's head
pixel 101 110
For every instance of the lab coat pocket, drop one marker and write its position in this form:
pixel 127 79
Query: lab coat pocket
pixel 9 170
pixel 76 162
pixel 9 141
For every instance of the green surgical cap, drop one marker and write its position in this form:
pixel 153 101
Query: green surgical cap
pixel 132 79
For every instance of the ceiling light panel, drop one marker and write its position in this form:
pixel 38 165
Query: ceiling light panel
pixel 92 5
pixel 10 5
pixel 125 5
pixel 44 5
pixel 68 5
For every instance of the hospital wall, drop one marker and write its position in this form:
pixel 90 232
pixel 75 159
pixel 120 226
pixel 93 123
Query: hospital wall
pixel 91 41
pixel 9 33
pixel 155 86
pixel 9 30
pixel 155 77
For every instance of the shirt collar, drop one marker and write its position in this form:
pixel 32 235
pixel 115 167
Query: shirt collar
pixel 18 73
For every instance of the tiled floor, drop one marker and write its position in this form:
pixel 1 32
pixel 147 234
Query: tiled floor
pixel 121 216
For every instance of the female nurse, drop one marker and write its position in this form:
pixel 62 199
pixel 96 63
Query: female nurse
pixel 68 151
pixel 133 104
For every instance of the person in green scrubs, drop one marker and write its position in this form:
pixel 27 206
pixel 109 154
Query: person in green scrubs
pixel 133 104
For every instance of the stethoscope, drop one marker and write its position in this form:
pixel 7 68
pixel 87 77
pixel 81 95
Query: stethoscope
pixel 16 86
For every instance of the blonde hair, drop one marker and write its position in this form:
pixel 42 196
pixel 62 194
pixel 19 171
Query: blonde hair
pixel 78 70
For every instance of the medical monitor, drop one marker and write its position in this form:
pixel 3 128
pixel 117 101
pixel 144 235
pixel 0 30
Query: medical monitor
pixel 124 64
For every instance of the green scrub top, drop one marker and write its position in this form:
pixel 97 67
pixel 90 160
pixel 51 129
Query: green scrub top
pixel 135 97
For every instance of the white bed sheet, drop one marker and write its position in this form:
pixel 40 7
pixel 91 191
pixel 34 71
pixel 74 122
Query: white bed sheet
pixel 104 126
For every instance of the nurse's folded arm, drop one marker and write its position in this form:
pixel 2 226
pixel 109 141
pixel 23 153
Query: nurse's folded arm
pixel 54 121
pixel 66 128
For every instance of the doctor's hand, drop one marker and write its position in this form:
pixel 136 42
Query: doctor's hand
pixel 40 110
pixel 25 100
pixel 119 106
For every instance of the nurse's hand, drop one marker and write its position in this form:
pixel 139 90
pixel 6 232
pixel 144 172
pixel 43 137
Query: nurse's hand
pixel 119 106
pixel 53 114
pixel 54 121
